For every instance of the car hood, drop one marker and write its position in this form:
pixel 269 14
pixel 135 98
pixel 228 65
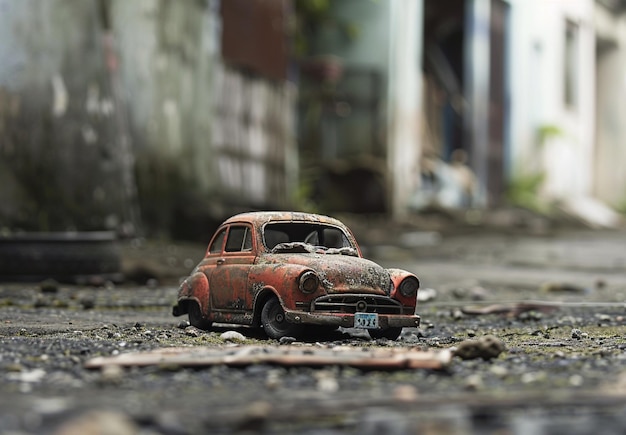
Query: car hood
pixel 340 273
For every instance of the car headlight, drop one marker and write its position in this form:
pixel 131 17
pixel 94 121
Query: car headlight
pixel 408 286
pixel 309 282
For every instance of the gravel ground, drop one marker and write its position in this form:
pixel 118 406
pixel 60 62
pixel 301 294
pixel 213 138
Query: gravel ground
pixel 562 371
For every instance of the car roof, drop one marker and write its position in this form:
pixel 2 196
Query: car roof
pixel 262 217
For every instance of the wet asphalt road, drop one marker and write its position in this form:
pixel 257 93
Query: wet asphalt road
pixel 563 371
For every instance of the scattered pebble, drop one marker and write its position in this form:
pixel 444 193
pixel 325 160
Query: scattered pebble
pixel 474 382
pixel 99 422
pixel 405 393
pixel 486 347
pixel 286 340
pixel 112 374
pixel 192 331
pixel 326 381
pixel 232 336
pixel 49 286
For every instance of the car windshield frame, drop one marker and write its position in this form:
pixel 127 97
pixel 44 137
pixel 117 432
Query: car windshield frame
pixel 285 236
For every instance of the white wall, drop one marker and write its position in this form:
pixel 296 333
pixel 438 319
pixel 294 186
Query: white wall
pixel 404 97
pixel 610 158
pixel 537 81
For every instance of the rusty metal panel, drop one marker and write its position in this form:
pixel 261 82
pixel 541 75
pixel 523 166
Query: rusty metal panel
pixel 254 36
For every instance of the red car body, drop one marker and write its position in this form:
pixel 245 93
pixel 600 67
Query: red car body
pixel 285 270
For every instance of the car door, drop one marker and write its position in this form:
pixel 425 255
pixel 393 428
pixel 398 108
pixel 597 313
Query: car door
pixel 228 282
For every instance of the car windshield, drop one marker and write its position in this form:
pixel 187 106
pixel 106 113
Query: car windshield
pixel 306 237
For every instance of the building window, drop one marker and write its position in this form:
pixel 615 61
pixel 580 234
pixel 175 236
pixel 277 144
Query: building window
pixel 570 79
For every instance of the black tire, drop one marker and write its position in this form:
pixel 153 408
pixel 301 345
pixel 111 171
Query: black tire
pixel 74 257
pixel 389 333
pixel 274 322
pixel 196 318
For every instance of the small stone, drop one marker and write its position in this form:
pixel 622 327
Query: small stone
pixel 184 324
pixel 459 293
pixel 255 417
pixel 99 422
pixel 274 379
pixel 286 340
pixel 88 303
pixel 326 382
pixel 499 371
pixel 232 336
pixel 577 334
pixel 49 286
pixel 474 382
pixel 112 374
pixel 576 380
pixel 478 293
pixel 471 333
pixel 457 314
pixel 405 393
pixel 486 347
pixel 192 332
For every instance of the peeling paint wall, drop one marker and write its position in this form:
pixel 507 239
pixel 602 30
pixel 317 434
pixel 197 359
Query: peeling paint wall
pixel 106 90
pixel 209 138
pixel 59 134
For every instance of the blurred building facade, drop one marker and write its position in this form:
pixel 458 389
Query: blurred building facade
pixel 169 110
pixel 175 113
pixel 527 95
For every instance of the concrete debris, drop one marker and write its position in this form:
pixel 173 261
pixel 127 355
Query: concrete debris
pixel 233 336
pixel 486 347
pixel 379 358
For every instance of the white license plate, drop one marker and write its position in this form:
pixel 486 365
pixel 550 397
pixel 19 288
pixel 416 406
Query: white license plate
pixel 366 320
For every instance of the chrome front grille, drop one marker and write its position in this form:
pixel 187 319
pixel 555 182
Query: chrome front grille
pixel 352 303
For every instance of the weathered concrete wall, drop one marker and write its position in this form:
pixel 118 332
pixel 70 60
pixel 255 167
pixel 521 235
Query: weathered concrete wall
pixel 59 134
pixel 113 101
pixel 209 138
pixel 166 57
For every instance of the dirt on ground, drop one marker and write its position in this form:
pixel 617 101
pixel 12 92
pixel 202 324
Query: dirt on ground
pixel 555 303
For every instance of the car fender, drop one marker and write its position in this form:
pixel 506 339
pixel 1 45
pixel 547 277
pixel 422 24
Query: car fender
pixel 195 288
pixel 397 276
pixel 282 280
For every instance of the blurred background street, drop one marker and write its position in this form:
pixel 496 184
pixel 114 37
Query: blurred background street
pixel 477 143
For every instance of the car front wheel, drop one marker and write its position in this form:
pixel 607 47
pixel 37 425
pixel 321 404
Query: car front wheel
pixel 389 333
pixel 274 322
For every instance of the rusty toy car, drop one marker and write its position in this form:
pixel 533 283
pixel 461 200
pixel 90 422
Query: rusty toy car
pixel 286 270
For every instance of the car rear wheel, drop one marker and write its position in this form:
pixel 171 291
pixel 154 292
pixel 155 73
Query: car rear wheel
pixel 196 318
pixel 389 333
pixel 275 323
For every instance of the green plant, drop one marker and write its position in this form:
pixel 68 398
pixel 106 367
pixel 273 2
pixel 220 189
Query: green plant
pixel 523 191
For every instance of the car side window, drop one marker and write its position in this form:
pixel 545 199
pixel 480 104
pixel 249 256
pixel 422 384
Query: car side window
pixel 239 239
pixel 218 242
